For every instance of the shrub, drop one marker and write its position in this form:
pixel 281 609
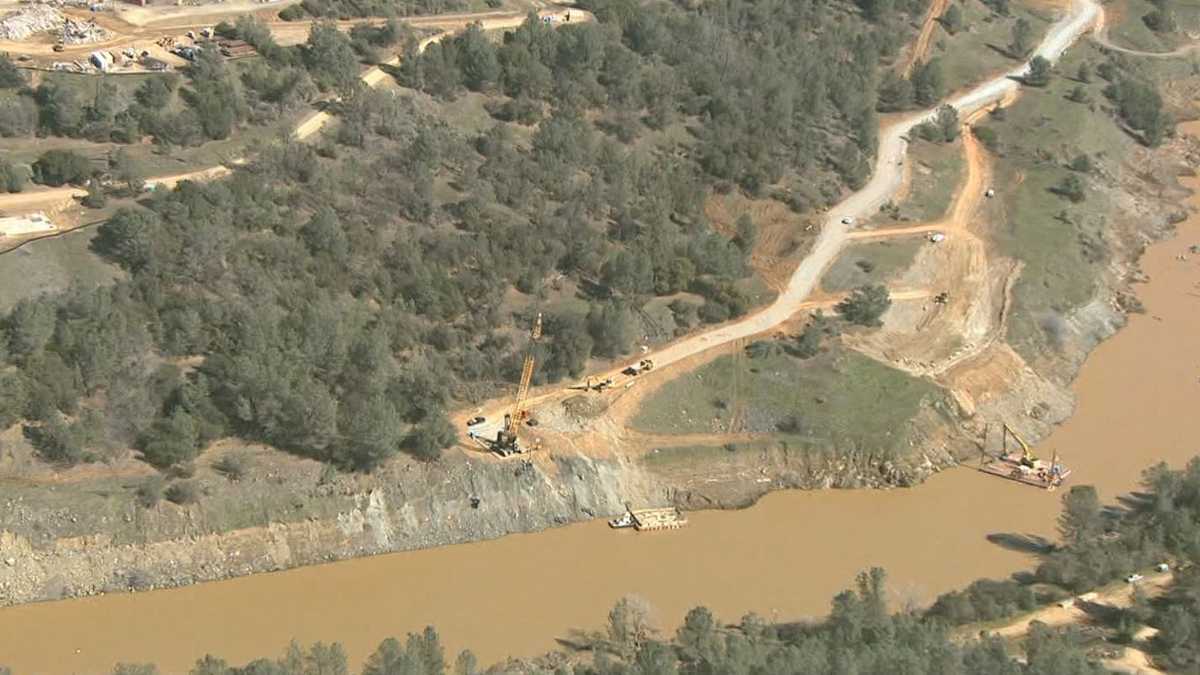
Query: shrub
pixel 59 167
pixel 183 493
pixel 232 466
pixel 150 492
pixel 865 305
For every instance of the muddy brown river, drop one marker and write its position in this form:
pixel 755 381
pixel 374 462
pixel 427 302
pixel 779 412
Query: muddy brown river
pixel 784 558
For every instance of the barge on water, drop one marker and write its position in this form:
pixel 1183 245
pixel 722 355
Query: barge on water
pixel 647 520
pixel 1023 466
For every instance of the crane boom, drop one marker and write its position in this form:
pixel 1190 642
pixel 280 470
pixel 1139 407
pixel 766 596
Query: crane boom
pixel 507 442
pixel 518 410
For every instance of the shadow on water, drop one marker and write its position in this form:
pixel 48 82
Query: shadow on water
pixel 1022 543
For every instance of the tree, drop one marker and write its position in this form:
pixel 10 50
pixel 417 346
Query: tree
pixel 1161 19
pixel 59 167
pixel 929 84
pixel 128 238
pixel 865 305
pixel 895 93
pixel 128 171
pixel 432 435
pixel 11 77
pixel 330 59
pixel 874 10
pixel 1084 74
pixel 1078 95
pixel 171 441
pixel 612 329
pixel 952 19
pixel 480 67
pixel 373 432
pixel 12 177
pixel 947 122
pixel 1071 187
pixel 747 233
pixel 1022 38
pixel 1082 163
pixel 1081 521
pixel 1039 72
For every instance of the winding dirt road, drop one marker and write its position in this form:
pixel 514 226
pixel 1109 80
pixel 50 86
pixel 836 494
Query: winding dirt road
pixel 33 200
pixel 836 233
pixel 1100 36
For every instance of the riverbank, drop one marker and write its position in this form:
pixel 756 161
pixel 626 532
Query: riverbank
pixel 783 557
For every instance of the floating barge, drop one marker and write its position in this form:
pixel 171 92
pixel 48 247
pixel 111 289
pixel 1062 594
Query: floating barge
pixel 1024 467
pixel 648 520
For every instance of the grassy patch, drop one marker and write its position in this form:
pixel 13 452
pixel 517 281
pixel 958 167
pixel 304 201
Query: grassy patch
pixel 839 399
pixel 51 265
pixel 1055 238
pixel 871 263
pixel 1131 31
pixel 978 50
pixel 936 169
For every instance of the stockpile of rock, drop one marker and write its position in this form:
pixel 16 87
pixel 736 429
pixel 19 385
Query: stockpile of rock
pixel 21 24
pixel 78 32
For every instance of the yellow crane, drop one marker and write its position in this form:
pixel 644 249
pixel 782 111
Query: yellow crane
pixel 506 439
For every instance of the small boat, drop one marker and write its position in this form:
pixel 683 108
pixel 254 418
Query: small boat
pixel 622 522
pixel 1024 467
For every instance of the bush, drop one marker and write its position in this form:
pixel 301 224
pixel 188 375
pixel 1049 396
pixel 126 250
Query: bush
pixel 866 305
pixel 59 167
pixel 11 77
pixel 150 492
pixel 987 136
pixel 183 492
pixel 232 466
pixel 12 177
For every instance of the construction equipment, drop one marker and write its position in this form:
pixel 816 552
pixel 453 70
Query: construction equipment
pixel 942 298
pixel 645 365
pixel 1024 467
pixel 507 443
pixel 1027 456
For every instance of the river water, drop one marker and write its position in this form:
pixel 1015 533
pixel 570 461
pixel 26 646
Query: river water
pixel 783 558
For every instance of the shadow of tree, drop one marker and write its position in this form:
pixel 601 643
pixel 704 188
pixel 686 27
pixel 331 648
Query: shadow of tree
pixel 1023 543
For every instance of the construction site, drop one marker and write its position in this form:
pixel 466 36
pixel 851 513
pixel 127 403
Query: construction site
pixel 988 325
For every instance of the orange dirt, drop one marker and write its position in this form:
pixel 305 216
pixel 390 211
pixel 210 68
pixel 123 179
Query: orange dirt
pixel 925 37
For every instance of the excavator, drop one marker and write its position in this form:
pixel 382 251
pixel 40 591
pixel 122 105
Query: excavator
pixel 1027 457
pixel 507 441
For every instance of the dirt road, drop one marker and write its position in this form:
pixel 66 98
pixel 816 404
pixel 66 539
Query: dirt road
pixel 836 230
pixel 32 200
pixel 1101 37
pixel 921 45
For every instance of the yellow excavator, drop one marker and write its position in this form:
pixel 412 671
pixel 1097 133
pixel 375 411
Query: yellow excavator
pixel 507 441
pixel 1027 456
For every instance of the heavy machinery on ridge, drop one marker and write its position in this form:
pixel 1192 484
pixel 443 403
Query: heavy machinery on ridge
pixel 508 441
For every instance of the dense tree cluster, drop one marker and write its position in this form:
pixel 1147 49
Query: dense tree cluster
pixel 209 103
pixel 329 317
pixel 1141 107
pixel 646 68
pixel 350 9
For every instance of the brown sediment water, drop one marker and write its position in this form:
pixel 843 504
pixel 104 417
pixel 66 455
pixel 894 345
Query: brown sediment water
pixel 1138 396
